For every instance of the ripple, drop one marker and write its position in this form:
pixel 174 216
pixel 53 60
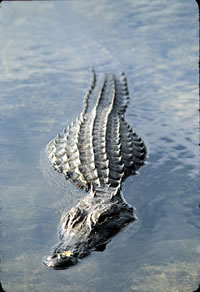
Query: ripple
pixel 47 52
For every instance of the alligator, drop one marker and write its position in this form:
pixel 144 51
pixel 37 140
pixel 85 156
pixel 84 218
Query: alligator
pixel 97 152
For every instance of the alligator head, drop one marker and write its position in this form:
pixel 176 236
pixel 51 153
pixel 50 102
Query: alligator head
pixel 89 226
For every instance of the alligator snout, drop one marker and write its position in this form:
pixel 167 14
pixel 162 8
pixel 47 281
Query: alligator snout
pixel 65 254
pixel 61 260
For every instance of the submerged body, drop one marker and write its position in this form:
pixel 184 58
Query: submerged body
pixel 97 152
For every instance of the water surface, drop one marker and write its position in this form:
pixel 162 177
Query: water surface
pixel 47 50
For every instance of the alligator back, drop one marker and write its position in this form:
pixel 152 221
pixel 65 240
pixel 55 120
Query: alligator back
pixel 100 148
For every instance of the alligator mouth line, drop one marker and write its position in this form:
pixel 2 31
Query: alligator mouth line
pixel 97 152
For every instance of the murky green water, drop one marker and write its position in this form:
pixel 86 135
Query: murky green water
pixel 47 50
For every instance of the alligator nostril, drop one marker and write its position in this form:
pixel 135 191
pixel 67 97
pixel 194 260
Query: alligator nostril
pixel 51 257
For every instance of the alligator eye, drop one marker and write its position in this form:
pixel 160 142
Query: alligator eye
pixel 102 219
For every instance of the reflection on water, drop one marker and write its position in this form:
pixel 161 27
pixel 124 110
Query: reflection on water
pixel 47 51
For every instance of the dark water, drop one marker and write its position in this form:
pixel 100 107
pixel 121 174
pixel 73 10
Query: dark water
pixel 47 50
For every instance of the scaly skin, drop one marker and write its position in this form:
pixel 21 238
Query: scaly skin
pixel 97 152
